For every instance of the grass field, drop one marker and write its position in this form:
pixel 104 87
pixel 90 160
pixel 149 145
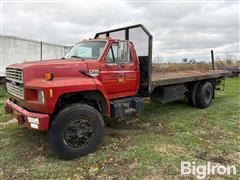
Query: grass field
pixel 3 97
pixel 151 147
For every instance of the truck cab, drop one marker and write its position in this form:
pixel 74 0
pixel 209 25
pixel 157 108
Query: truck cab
pixel 94 73
pixel 114 63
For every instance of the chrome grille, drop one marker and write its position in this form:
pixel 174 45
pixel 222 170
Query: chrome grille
pixel 14 75
pixel 15 82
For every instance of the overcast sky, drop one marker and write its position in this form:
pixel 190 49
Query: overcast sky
pixel 180 29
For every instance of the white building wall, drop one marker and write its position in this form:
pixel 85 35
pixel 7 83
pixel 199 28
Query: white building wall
pixel 52 51
pixel 16 50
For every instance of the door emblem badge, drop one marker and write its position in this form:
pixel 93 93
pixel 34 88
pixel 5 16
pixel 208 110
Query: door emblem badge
pixel 121 79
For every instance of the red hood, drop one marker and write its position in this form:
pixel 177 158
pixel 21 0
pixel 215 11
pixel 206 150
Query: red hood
pixel 44 63
pixel 60 68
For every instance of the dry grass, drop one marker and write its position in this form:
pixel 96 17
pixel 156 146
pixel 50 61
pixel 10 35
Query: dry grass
pixel 200 66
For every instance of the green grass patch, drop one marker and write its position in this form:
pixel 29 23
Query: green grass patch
pixel 3 96
pixel 152 147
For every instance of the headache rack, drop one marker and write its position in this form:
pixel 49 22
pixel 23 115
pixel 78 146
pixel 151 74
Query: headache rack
pixel 144 61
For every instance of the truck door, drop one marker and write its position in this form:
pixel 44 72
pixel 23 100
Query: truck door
pixel 129 70
pixel 119 74
pixel 110 72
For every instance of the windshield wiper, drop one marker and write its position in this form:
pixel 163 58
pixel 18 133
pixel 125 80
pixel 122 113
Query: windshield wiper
pixel 78 57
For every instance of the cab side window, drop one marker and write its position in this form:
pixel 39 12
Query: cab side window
pixel 124 53
pixel 112 54
pixel 119 53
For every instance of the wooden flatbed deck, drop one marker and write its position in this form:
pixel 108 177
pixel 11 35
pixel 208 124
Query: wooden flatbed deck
pixel 161 79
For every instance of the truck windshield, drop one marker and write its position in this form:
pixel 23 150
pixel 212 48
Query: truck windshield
pixel 86 50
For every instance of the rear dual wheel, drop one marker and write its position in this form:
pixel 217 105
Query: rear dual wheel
pixel 201 94
pixel 77 130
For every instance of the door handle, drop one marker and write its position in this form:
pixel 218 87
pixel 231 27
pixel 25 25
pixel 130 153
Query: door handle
pixel 133 67
pixel 122 75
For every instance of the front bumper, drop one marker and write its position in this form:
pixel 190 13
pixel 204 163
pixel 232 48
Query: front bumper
pixel 31 120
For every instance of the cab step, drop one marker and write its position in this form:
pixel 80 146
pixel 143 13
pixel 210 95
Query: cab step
pixel 126 107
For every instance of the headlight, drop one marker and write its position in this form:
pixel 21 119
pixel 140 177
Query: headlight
pixel 41 97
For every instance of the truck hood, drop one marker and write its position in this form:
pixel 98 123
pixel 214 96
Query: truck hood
pixel 59 68
pixel 51 62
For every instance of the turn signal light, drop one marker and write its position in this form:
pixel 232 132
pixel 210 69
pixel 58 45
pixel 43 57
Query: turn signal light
pixel 48 76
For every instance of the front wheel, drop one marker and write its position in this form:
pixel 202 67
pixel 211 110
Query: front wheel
pixel 77 130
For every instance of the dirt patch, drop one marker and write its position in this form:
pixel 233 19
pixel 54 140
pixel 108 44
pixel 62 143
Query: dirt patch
pixel 220 159
pixel 135 126
pixel 35 155
pixel 220 134
pixel 8 122
pixel 207 156
pixel 169 149
pixel 203 120
pixel 119 133
pixel 2 101
pixel 121 166
pixel 40 160
pixel 154 173
pixel 138 129
pixel 134 165
pixel 124 166
pixel 234 157
pixel 20 173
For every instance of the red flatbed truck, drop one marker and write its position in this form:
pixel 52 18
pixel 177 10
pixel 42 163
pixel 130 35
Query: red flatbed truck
pixel 98 79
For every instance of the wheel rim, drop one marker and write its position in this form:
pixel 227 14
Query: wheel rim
pixel 78 133
pixel 208 96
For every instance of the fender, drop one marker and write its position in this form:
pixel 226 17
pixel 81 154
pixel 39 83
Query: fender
pixel 100 88
pixel 59 86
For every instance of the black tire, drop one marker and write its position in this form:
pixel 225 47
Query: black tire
pixel 192 93
pixel 77 130
pixel 204 94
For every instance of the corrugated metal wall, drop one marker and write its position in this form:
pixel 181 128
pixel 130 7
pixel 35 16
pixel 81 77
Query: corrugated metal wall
pixel 16 50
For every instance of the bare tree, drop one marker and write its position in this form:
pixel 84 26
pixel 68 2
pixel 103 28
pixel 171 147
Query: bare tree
pixel 192 61
pixel 185 60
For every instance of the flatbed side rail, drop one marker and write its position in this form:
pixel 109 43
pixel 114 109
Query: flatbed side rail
pixel 186 79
